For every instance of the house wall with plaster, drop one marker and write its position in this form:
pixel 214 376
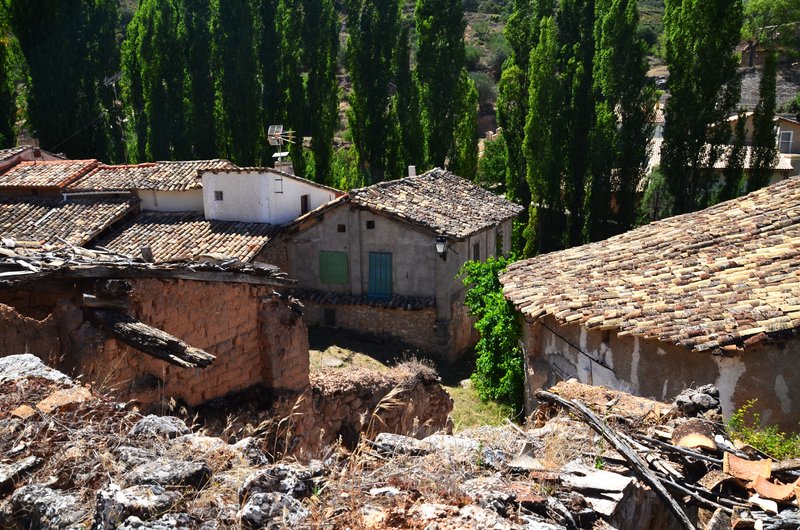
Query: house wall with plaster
pixel 171 201
pixel 259 196
pixel 417 271
pixel 659 370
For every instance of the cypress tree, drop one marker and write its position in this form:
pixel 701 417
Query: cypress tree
pixel 153 83
pixel 624 111
pixel 700 36
pixel 7 106
pixel 290 77
pixel 238 94
pixel 765 148
pixel 465 158
pixel 512 109
pixel 68 52
pixel 321 48
pixel 440 60
pixel 407 108
pixel 269 54
pixel 735 157
pixel 543 145
pixel 195 16
pixel 373 35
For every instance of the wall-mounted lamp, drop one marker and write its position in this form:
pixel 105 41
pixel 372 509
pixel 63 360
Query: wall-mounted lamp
pixel 441 247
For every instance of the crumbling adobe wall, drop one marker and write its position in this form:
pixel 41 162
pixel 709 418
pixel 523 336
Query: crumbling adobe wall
pixel 342 405
pixel 256 339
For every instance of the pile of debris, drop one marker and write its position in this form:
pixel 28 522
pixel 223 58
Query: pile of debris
pixel 593 458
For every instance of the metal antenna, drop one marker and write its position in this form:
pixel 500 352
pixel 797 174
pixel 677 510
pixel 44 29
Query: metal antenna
pixel 277 137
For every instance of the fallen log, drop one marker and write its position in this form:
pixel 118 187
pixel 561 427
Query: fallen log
pixel 148 339
pixel 634 460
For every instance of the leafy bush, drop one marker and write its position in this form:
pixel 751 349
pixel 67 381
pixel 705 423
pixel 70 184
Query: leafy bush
pixel 499 50
pixel 746 426
pixel 492 165
pixel 657 200
pixel 472 56
pixel 499 374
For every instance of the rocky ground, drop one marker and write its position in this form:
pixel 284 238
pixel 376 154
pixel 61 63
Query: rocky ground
pixel 70 458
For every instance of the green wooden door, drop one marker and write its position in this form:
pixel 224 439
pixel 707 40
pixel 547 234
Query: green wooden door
pixel 380 275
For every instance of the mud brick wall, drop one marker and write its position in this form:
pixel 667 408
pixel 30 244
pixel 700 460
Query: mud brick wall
pixel 255 337
pixel 42 337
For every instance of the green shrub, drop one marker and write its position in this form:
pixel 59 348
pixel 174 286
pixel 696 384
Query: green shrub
pixel 472 56
pixel 499 371
pixel 745 425
pixel 487 91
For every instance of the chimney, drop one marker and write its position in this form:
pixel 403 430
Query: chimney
pixel 412 171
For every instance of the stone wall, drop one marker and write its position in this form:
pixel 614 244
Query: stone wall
pixel 256 337
pixel 415 327
pixel 659 370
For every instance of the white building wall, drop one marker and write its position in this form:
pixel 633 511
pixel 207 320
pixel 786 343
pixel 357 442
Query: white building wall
pixel 259 196
pixel 171 201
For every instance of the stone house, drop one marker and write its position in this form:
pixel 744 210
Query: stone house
pixel 707 297
pixel 384 259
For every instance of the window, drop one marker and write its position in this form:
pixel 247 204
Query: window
pixel 785 143
pixel 370 225
pixel 341 228
pixel 476 251
pixel 333 267
pixel 380 275
pixel 217 195
pixel 304 204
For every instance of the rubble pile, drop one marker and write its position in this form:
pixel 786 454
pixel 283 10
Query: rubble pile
pixel 590 458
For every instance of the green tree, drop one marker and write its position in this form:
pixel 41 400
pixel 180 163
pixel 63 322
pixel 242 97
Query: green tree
pixel 7 104
pixel 735 160
pixel 440 61
pixel 700 36
pixel 374 27
pixel 512 110
pixel 290 77
pixel 543 145
pixel 241 133
pixel 69 49
pixel 465 157
pixel 153 84
pixel 771 24
pixel 764 152
pixel 623 127
pixel 407 108
pixel 499 370
pixel 195 20
pixel 522 28
pixel 269 56
pixel 321 48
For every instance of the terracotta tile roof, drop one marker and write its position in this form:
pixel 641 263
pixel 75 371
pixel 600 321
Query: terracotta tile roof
pixel 182 175
pixel 11 152
pixel 728 275
pixel 44 221
pixel 438 200
pixel 113 178
pixel 160 176
pixel 182 235
pixel 45 174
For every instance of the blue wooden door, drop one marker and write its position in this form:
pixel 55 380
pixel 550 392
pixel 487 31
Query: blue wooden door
pixel 380 275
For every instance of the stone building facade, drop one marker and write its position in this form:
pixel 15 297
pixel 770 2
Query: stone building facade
pixel 707 297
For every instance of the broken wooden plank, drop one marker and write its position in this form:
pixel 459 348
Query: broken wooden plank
pixel 152 272
pixel 95 302
pixel 637 464
pixel 148 339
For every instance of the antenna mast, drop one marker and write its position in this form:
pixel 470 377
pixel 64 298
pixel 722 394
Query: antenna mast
pixel 277 137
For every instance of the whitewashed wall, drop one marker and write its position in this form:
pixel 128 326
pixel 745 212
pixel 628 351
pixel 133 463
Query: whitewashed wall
pixel 171 201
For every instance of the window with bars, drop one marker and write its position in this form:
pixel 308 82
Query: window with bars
pixel 333 267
